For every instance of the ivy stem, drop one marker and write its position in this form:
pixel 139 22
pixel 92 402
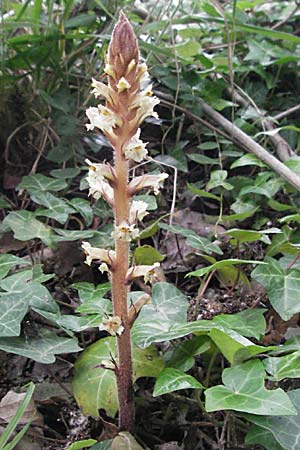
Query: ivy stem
pixel 119 294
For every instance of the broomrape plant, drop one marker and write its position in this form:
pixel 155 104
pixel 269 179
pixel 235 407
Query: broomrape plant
pixel 128 101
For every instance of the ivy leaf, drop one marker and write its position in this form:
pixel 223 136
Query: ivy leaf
pixel 244 391
pixel 168 306
pixel 13 309
pixel 287 366
pixel 41 349
pixel 217 179
pixel 104 445
pixel 170 380
pixel 57 208
pixel 282 287
pixel 25 227
pixel 193 240
pixel 219 265
pixel 84 208
pixel 8 261
pixel 261 436
pixel 41 183
pixel 147 255
pixel 250 322
pixel 234 346
pixel 95 387
pixel 182 358
pixel 285 429
pixel 72 235
pixel 79 445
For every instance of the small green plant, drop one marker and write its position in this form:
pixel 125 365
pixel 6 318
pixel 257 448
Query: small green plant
pixel 7 442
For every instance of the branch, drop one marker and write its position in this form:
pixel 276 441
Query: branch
pixel 281 147
pixel 242 139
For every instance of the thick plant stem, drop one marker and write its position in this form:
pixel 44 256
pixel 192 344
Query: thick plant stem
pixel 119 292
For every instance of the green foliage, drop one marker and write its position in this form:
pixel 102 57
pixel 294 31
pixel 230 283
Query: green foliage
pixel 94 383
pixel 244 390
pixel 7 439
pixel 48 57
pixel 170 380
pixel 284 429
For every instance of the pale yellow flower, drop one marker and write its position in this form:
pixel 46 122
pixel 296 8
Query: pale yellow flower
pixel 113 325
pixel 102 90
pixel 145 102
pixel 123 85
pixel 125 232
pixel 102 118
pixel 94 253
pixel 148 272
pixel 138 210
pixel 135 149
pixel 154 182
pixel 108 69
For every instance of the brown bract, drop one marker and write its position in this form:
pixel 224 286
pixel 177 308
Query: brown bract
pixel 123 47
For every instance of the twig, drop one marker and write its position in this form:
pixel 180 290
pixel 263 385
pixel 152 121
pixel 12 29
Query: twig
pixel 286 113
pixel 242 139
pixel 282 148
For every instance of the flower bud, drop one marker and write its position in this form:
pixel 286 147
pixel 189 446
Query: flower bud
pixel 123 47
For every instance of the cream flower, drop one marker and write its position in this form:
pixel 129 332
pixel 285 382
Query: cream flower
pixel 104 268
pixel 102 90
pixel 98 172
pixel 144 76
pixel 138 210
pixel 131 66
pixel 125 232
pixel 148 272
pixel 102 118
pixel 123 85
pixel 108 256
pixel 145 102
pixel 148 181
pixel 113 325
pixel 108 69
pixel 101 189
pixel 135 148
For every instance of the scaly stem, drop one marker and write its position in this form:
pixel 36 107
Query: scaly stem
pixel 119 292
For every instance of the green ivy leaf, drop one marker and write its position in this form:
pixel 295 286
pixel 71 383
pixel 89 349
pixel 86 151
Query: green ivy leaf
pixel 79 445
pixel 220 264
pixel 25 227
pixel 235 347
pixel 57 208
pixel 8 261
pixel 261 436
pixel 69 172
pixel 84 208
pixel 285 429
pixel 287 366
pixel 250 322
pixel 193 239
pixel 244 391
pixel 170 380
pixel 41 183
pixel 182 356
pixel 281 285
pixel 41 349
pixel 147 255
pixel 95 387
pixel 217 179
pixel 13 309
